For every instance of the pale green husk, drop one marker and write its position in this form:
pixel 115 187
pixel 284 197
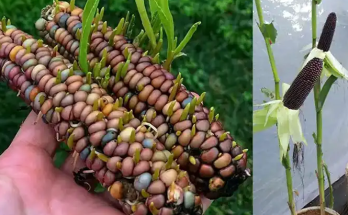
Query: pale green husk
pixel 331 65
pixel 287 120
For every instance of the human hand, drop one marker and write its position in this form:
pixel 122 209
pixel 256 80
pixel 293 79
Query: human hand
pixel 31 185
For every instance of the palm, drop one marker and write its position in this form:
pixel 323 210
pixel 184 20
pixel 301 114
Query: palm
pixel 29 183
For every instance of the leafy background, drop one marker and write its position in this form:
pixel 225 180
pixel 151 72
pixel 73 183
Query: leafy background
pixel 218 62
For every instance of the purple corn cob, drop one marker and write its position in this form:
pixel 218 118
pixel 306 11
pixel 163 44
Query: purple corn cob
pixel 303 84
pixel 327 33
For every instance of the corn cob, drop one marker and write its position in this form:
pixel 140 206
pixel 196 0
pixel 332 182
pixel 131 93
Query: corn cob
pixel 303 84
pixel 327 33
pixel 147 85
pixel 128 170
pixel 55 115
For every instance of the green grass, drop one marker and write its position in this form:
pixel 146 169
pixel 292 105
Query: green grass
pixel 218 62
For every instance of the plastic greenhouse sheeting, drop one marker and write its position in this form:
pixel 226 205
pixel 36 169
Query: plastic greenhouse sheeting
pixel 292 19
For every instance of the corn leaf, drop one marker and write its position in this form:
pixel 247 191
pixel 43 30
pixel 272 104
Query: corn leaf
pixel 164 5
pixel 156 23
pixel 59 158
pixel 87 9
pixel 307 47
pixel 61 155
pixel 268 93
pixel 64 146
pixel 87 19
pixel 269 31
pixel 187 38
pixel 327 173
pixel 167 22
pixel 99 188
pixel 146 22
pixel 325 91
pixel 181 54
pixel 153 8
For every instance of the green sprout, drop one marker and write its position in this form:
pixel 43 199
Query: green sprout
pixel 162 18
pixel 87 19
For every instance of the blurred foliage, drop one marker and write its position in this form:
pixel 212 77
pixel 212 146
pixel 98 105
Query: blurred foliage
pixel 218 62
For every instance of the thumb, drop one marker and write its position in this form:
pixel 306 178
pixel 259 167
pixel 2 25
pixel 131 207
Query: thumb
pixel 39 135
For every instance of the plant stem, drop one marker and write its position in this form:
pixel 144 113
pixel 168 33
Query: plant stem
pixel 269 51
pixel 319 118
pixel 286 159
pixel 314 24
pixel 167 64
pixel 287 166
pixel 274 69
pixel 320 152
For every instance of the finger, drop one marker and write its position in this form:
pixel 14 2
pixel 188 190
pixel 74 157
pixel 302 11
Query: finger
pixel 37 134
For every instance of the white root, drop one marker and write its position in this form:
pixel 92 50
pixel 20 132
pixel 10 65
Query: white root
pixel 150 125
pixel 75 159
pixel 39 116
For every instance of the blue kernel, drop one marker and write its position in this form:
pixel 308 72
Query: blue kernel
pixel 143 113
pixel 57 59
pixel 110 135
pixel 186 102
pixel 48 115
pixel 189 200
pixel 127 97
pixel 84 154
pixel 53 30
pixel 79 72
pixel 143 181
pixel 76 27
pixel 11 27
pixel 65 74
pixel 27 92
pixel 44 119
pixel 148 143
pixel 86 87
pixel 62 20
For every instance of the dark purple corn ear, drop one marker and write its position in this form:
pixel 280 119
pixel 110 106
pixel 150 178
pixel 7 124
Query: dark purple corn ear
pixel 303 84
pixel 327 33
